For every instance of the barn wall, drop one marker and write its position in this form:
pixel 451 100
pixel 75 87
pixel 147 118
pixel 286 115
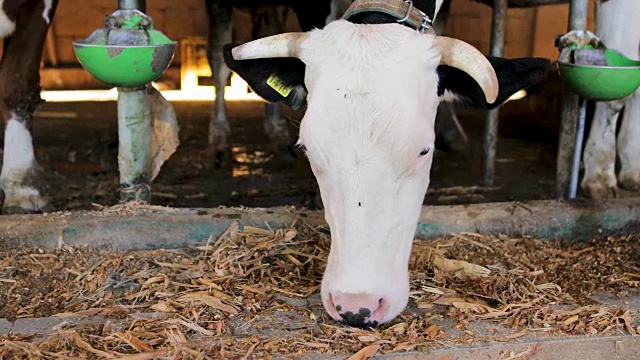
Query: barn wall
pixel 529 32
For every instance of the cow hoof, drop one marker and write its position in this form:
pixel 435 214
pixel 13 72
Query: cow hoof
pixel 219 148
pixel 599 191
pixel 219 154
pixel 219 159
pixel 629 181
pixel 22 200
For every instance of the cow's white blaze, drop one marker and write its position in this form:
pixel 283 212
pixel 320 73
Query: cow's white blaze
pixel 18 167
pixel 371 109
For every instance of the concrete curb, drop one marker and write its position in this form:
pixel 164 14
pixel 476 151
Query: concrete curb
pixel 568 348
pixel 171 228
pixel 45 326
pixel 575 348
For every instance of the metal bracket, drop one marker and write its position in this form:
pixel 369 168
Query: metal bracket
pixel 425 23
pixel 406 16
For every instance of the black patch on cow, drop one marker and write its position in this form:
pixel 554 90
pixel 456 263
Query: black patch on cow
pixel 513 75
pixel 289 71
pixel 10 8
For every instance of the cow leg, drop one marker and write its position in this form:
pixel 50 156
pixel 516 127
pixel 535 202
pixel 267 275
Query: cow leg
pixel 267 21
pixel 599 180
pixel 275 127
pixel 628 144
pixel 19 98
pixel 629 133
pixel 220 33
pixel 614 18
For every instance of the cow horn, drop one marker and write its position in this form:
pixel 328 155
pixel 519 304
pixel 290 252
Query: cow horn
pixel 281 45
pixel 460 55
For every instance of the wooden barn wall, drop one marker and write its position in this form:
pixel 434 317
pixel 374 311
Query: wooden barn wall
pixel 530 32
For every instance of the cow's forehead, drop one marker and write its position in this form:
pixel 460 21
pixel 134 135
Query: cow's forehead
pixel 367 43
pixel 369 92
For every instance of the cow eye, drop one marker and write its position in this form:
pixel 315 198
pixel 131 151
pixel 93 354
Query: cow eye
pixel 424 151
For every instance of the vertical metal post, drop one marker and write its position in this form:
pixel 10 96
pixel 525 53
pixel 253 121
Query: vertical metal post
pixel 490 138
pixel 578 10
pixel 132 5
pixel 577 151
pixel 134 150
pixel 134 134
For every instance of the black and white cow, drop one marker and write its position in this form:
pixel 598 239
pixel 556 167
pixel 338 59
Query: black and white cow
pixel 372 87
pixel 23 27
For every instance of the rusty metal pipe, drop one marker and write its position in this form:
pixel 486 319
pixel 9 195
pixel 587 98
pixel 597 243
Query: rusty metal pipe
pixel 490 136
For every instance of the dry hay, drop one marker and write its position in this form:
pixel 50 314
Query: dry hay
pixel 524 284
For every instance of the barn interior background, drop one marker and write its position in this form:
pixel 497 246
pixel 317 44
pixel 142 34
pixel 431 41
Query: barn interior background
pixel 75 132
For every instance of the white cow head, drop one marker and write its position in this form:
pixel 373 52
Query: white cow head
pixel 368 132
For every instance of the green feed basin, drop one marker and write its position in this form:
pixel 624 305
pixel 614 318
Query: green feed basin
pixel 125 65
pixel 619 79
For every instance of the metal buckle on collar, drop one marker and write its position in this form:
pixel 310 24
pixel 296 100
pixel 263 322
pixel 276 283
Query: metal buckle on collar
pixel 426 22
pixel 406 16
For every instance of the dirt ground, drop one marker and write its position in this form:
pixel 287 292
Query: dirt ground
pixel 255 292
pixel 76 146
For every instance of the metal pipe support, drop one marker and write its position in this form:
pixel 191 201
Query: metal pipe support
pixel 490 136
pixel 134 150
pixel 132 5
pixel 578 10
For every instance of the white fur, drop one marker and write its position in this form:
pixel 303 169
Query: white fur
pixel 619 29
pixel 371 109
pixel 18 166
pixel 7 27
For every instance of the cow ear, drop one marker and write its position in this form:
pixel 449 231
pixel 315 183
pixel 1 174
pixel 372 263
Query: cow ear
pixel 513 76
pixel 273 79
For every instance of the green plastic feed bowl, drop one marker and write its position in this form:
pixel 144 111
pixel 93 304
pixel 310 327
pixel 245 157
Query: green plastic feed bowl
pixel 125 66
pixel 619 79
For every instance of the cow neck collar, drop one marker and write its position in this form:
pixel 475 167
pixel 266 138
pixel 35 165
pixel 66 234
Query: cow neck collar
pixel 403 11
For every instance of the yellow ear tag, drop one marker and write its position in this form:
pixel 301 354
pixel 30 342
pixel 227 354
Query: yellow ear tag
pixel 276 84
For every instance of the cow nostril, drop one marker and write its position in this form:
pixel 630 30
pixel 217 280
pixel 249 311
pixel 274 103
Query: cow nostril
pixel 357 309
pixel 359 319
